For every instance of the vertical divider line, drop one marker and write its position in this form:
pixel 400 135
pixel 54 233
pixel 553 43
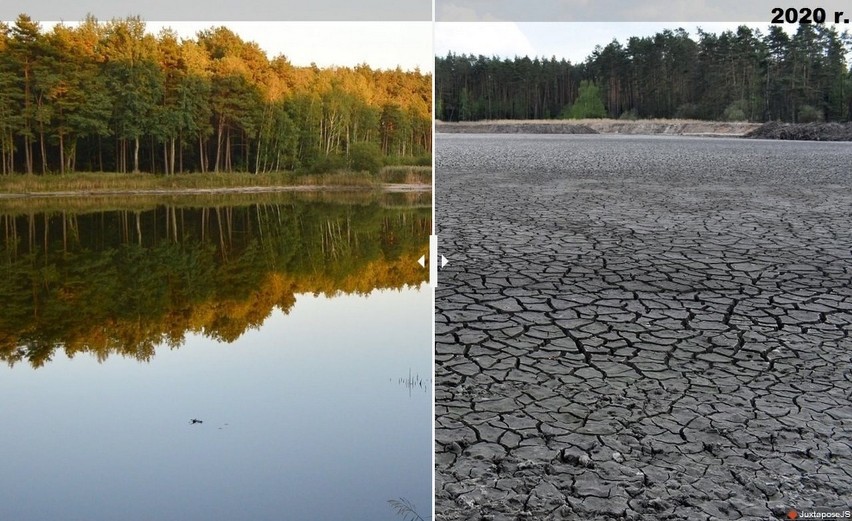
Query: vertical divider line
pixel 433 259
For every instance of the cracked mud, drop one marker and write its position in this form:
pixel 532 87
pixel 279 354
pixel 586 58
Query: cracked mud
pixel 642 328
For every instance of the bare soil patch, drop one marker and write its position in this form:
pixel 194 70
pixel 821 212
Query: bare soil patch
pixel 642 329
pixel 514 127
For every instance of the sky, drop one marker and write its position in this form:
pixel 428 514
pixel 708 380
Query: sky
pixel 573 41
pixel 619 10
pixel 383 45
pixel 571 29
pixel 379 44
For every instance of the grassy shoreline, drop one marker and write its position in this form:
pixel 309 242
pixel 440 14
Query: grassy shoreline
pixel 97 183
pixel 134 202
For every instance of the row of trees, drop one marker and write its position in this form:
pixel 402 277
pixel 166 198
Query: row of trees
pixel 108 96
pixel 741 75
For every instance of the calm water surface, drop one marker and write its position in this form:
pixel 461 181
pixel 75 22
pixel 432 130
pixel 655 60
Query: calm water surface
pixel 296 330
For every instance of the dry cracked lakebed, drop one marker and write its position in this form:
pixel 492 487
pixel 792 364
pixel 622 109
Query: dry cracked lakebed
pixel 642 328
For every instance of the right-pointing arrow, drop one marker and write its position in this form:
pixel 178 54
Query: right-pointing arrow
pixel 443 261
pixel 422 261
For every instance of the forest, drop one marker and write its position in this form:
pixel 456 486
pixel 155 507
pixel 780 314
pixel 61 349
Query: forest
pixel 742 75
pixel 107 96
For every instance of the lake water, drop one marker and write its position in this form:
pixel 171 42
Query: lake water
pixel 298 330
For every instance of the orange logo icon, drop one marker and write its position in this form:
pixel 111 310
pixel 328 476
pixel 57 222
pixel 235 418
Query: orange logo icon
pixel 792 514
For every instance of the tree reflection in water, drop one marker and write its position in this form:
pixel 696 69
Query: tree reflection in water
pixel 123 281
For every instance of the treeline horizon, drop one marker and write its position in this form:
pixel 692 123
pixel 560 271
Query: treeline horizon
pixel 107 96
pixel 742 75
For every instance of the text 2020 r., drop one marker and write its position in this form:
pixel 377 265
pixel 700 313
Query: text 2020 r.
pixel 805 15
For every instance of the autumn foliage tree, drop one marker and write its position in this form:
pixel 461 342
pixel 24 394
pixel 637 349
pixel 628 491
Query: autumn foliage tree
pixel 112 97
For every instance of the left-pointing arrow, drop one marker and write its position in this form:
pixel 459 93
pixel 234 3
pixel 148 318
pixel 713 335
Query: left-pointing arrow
pixel 422 261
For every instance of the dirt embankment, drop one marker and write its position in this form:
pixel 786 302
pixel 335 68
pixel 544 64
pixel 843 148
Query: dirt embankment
pixel 676 127
pixel 601 126
pixel 803 131
pixel 513 127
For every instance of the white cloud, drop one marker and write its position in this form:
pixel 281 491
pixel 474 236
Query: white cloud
pixel 574 41
pixel 488 39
